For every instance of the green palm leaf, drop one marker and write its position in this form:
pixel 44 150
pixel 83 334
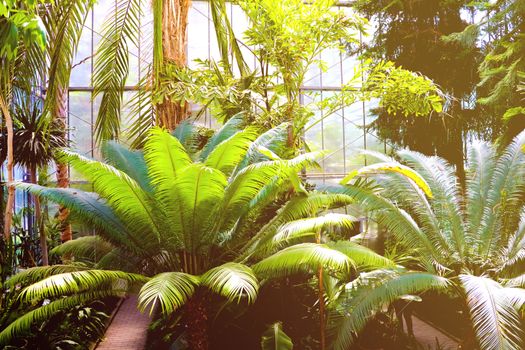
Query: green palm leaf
pixel 305 257
pixel 367 295
pixel 165 157
pixel 87 248
pixel 111 66
pixel 197 191
pixel 64 23
pixel 170 290
pixel 496 321
pixel 22 324
pixel 92 210
pixel 230 128
pixel 233 281
pixel 391 167
pixel 226 155
pixel 274 140
pixel 361 256
pixel 39 273
pixel 274 338
pixel 123 194
pixel 130 162
pixel 79 281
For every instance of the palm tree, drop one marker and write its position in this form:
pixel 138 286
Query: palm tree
pixel 475 239
pixel 35 139
pixel 181 223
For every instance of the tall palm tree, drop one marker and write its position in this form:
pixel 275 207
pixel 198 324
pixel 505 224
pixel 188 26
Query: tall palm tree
pixel 475 239
pixel 64 23
pixel 181 223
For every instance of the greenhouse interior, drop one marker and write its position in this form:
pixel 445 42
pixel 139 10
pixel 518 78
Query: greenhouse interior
pixel 262 174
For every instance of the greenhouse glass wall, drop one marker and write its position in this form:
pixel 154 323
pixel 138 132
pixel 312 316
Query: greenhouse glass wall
pixel 340 134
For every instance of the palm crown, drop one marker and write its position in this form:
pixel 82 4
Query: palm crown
pixel 474 236
pixel 184 216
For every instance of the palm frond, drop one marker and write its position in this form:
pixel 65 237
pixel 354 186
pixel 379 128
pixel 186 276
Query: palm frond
pixel 226 37
pixel 22 324
pixel 233 281
pixel 227 155
pixel 92 210
pixel 123 194
pixel 165 157
pixel 78 281
pixel 111 66
pixel 130 162
pixel 196 195
pixel 393 218
pixel 391 167
pixel 298 207
pixel 325 223
pixel 518 281
pixel 362 257
pixel 170 290
pixel 39 273
pixel 496 321
pixel 84 248
pixel 274 140
pixel 480 160
pixel 188 135
pixel 230 128
pixel 64 23
pixel 369 293
pixel 505 197
pixel 305 257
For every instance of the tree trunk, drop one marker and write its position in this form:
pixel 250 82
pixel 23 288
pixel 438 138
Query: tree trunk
pixel 196 321
pixel 63 169
pixel 39 222
pixel 322 316
pixel 174 28
pixel 8 216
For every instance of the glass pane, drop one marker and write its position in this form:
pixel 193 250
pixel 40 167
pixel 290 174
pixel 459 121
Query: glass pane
pixel 80 125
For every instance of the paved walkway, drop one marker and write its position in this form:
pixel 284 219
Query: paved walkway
pixel 128 330
pixel 426 335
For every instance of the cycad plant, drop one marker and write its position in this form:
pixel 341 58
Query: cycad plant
pixel 182 224
pixel 474 237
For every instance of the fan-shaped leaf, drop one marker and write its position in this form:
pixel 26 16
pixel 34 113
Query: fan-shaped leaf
pixel 170 290
pixel 233 281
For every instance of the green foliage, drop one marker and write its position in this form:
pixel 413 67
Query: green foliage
pixel 20 23
pixel 111 68
pixel 173 223
pixel 457 234
pixel 274 338
pixel 503 69
pixel 363 297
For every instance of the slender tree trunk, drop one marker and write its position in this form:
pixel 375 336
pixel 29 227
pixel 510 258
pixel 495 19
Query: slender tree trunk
pixel 174 29
pixel 38 221
pixel 63 169
pixel 8 216
pixel 321 302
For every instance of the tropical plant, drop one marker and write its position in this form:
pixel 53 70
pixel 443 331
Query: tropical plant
pixel 474 238
pixel 35 139
pixel 419 36
pixel 275 339
pixel 181 224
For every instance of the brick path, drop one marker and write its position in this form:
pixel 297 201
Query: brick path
pixel 128 330
pixel 426 335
